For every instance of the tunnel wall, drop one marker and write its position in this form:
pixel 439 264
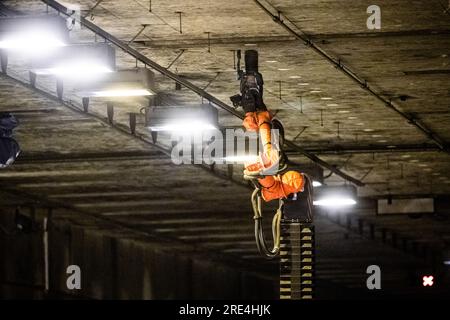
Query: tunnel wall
pixel 115 265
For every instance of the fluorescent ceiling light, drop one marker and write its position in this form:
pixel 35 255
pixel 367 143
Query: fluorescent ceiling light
pixel 242 159
pixel 188 126
pixel 76 69
pixel 33 35
pixel 31 41
pixel 137 82
pixel 122 93
pixel 335 196
pixel 334 202
pixel 189 118
pixel 316 183
pixel 79 62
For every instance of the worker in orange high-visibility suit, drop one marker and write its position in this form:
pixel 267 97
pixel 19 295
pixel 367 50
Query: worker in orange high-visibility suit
pixel 258 119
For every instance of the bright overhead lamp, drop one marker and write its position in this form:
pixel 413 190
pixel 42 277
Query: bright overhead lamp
pixel 77 62
pixel 122 93
pixel 335 196
pixel 138 82
pixel 31 36
pixel 189 125
pixel 335 202
pixel 182 119
pixel 242 159
pixel 33 41
pixel 316 184
pixel 81 63
pixel 75 69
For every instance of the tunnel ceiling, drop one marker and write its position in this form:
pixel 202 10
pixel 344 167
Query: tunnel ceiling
pixel 80 160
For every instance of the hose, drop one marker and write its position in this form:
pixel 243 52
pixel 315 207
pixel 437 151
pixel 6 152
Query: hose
pixel 259 230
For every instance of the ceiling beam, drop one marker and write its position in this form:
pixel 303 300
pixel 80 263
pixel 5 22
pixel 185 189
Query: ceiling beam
pixel 408 148
pixel 201 42
pixel 380 34
pixel 49 157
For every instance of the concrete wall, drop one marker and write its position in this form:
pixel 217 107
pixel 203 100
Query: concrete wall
pixel 115 265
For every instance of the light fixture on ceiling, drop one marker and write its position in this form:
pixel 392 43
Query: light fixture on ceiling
pixel 335 196
pixel 31 42
pixel 186 119
pixel 31 36
pixel 138 82
pixel 316 184
pixel 83 63
pixel 77 62
pixel 242 159
pixel 119 92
